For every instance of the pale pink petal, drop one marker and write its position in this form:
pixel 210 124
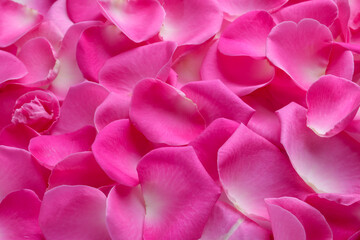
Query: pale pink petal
pixel 118 148
pixel 332 104
pixel 122 72
pixel 81 10
pixel 19 170
pixel 295 219
pixel 11 67
pixel 114 107
pixel 139 20
pixel 38 57
pixel 214 100
pixel 302 50
pixel 58 15
pixel 324 11
pixel 225 222
pixel 79 169
pixel 190 22
pixel 239 7
pixel 79 107
pixel 96 45
pixel 242 74
pixel 18 136
pixel 341 63
pixel 341 24
pixel 341 212
pixel 207 144
pixel 16 21
pixel 238 163
pixel 19 213
pixel 178 207
pixel 74 213
pixel 238 39
pixel 163 114
pixel 125 213
pixel 334 162
pixel 41 6
pixel 51 149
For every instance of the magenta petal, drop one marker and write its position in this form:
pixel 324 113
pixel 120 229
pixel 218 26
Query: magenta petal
pixel 19 171
pixel 239 7
pixel 302 50
pixel 16 21
pixel 118 148
pixel 324 11
pixel 19 213
pixel 125 213
pixel 179 207
pixel 58 15
pixel 238 163
pixel 79 169
pixel 214 100
pixel 341 63
pixel 332 105
pixel 18 136
pixel 242 74
pixel 122 72
pixel 81 10
pixel 74 213
pixel 163 114
pixel 49 150
pixel 294 219
pixel 38 57
pixel 11 67
pixel 180 17
pixel 333 161
pixel 239 39
pixel 139 20
pixel 78 108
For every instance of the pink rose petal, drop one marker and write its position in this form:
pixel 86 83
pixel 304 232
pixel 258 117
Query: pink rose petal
pixel 18 136
pixel 80 10
pixel 11 67
pixel 239 7
pixel 341 63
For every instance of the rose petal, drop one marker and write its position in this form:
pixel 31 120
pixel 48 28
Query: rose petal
pixel 80 10
pixel 139 20
pixel 163 114
pixel 179 207
pixel 58 15
pixel 246 155
pixel 11 67
pixel 323 156
pixel 125 213
pixel 333 103
pixel 239 7
pixel 341 63
pixel 122 72
pixel 79 169
pixel 118 148
pixel 49 150
pixel 19 213
pixel 294 219
pixel 73 213
pixel 18 136
pixel 238 39
pixel 302 50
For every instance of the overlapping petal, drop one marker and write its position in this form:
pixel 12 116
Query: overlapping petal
pixel 11 67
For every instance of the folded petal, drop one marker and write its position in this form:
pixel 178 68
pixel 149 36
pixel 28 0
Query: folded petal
pixel 341 63
pixel 179 207
pixel 324 11
pixel 122 72
pixel 38 57
pixel 19 213
pixel 11 67
pixel 326 164
pixel 214 100
pixel 125 213
pixel 302 50
pixel 18 136
pixel 295 219
pixel 180 17
pixel 238 39
pixel 332 105
pixel 80 10
pixel 139 20
pixel 118 148
pixel 74 213
pixel 163 114
pixel 79 169
pixel 242 74
pixel 246 155
pixel 16 21
pixel 19 171
pixel 239 7
pixel 78 108
pixel 51 149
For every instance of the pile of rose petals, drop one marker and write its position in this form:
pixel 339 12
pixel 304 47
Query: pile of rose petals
pixel 179 119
